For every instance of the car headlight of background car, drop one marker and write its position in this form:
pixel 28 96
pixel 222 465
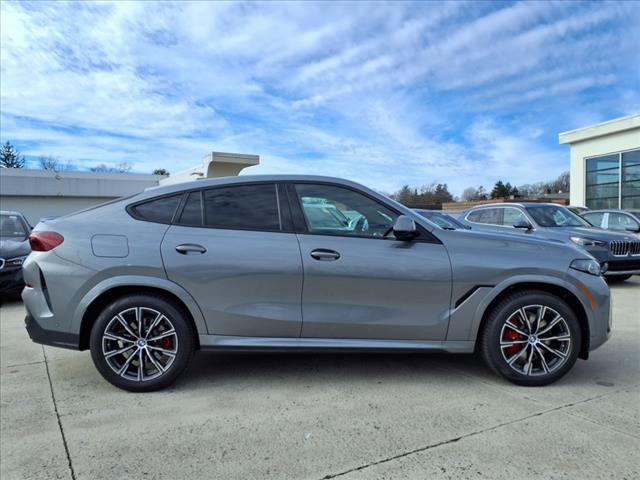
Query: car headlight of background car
pixel 587 242
pixel 588 266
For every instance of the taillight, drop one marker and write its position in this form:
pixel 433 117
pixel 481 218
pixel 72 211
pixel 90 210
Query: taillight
pixel 44 241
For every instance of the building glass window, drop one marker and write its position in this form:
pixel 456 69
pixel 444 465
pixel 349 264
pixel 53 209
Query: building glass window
pixel 603 182
pixel 631 180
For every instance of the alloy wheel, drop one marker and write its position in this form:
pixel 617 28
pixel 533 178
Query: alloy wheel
pixel 535 340
pixel 140 344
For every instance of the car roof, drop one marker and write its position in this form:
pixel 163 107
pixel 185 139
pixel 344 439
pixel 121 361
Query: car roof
pixel 219 181
pixel 608 210
pixel 518 204
pixel 10 212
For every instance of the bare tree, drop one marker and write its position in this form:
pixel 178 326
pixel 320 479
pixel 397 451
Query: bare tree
pixel 49 162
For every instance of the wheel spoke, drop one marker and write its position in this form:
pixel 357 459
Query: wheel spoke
pixel 511 343
pixel 126 364
pixel 515 329
pixel 560 338
pixel 111 336
pixel 155 362
pixel 139 320
pixel 525 317
pixel 512 360
pixel 140 364
pixel 113 353
pixel 545 367
pixel 156 321
pixel 171 353
pixel 551 324
pixel 123 322
pixel 539 317
pixel 168 333
pixel 557 353
pixel 529 365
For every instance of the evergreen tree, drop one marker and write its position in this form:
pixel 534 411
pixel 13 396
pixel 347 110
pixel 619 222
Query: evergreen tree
pixel 10 157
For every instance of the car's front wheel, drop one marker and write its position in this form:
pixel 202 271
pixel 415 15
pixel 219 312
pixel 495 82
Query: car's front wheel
pixel 531 338
pixel 141 343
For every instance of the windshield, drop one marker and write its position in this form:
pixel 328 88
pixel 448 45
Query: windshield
pixel 442 220
pixel 556 216
pixel 12 226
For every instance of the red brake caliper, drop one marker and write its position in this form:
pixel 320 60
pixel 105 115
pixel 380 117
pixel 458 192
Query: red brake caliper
pixel 166 343
pixel 510 335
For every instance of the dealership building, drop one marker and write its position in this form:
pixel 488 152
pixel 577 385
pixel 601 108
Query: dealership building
pixel 47 193
pixel 605 164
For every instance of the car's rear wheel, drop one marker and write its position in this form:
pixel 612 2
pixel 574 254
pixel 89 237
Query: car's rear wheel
pixel 141 343
pixel 531 338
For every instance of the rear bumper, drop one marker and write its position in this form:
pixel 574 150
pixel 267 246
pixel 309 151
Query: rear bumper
pixel 50 337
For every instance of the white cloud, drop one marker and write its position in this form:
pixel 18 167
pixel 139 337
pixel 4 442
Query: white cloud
pixel 384 93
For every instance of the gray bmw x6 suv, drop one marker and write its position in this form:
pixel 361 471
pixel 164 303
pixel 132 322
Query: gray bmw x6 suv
pixel 307 264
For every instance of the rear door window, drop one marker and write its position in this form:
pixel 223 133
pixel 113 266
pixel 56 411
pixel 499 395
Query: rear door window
pixel 489 216
pixel 242 207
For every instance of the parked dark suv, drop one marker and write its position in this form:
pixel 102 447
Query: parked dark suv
pixel 14 248
pixel 620 252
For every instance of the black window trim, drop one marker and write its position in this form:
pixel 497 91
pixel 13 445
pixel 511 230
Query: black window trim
pixel 285 225
pixel 132 206
pixel 300 223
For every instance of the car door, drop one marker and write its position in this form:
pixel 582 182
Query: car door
pixel 622 222
pixel 233 250
pixel 359 281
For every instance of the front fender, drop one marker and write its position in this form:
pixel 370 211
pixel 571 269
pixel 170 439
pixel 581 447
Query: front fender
pixel 467 318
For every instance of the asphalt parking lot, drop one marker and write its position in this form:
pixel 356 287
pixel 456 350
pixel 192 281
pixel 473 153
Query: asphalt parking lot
pixel 321 416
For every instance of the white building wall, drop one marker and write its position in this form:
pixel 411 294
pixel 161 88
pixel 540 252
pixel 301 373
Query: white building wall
pixel 614 143
pixel 36 207
pixel 615 136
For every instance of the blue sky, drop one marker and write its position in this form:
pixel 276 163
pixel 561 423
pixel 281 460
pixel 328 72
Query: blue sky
pixel 382 93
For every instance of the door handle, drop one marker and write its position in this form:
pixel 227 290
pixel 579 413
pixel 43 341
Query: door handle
pixel 190 249
pixel 323 254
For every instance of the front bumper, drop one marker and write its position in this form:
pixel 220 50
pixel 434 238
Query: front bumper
pixel 616 265
pixel 50 337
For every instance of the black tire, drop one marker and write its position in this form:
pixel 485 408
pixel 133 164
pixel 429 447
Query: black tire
pixel 617 278
pixel 555 366
pixel 180 338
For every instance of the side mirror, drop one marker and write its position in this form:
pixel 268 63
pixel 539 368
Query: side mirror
pixel 633 229
pixel 523 224
pixel 405 228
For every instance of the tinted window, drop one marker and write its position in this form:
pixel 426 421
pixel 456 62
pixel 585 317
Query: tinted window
pixel 619 221
pixel 552 216
pixel 158 210
pixel 594 218
pixel 12 226
pixel 489 216
pixel 512 216
pixel 251 207
pixel 339 211
pixel 192 211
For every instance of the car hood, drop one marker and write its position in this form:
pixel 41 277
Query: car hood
pixel 10 248
pixel 594 233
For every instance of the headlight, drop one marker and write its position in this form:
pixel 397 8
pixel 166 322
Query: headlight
pixel 588 266
pixel 587 242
